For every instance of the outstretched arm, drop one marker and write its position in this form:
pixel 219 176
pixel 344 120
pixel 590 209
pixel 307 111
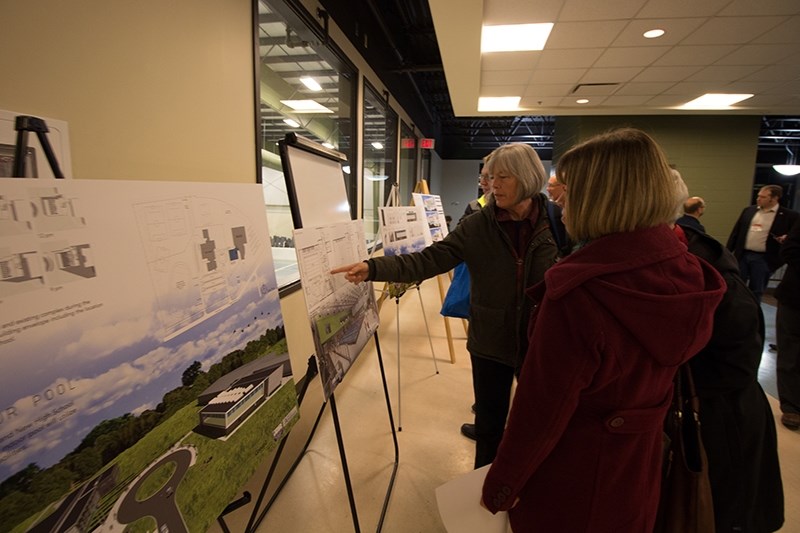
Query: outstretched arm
pixel 355 273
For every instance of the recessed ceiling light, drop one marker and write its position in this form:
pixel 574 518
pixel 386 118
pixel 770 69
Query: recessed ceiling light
pixel 715 101
pixel 582 101
pixel 292 123
pixel 654 33
pixel 377 145
pixel 515 37
pixel 498 103
pixel 306 106
pixel 311 83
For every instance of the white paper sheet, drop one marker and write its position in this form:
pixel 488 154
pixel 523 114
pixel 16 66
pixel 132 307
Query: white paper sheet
pixel 460 508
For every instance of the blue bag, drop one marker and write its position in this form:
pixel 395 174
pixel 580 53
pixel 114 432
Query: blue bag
pixel 456 301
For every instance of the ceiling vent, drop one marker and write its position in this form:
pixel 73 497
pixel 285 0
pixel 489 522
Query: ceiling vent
pixel 594 89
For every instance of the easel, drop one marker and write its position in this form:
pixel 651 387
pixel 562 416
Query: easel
pixel 258 514
pixel 24 124
pixel 422 187
pixel 301 192
pixel 392 290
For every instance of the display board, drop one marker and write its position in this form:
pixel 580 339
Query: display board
pixel 434 214
pixel 145 371
pixel 343 315
pixel 404 230
pixel 314 182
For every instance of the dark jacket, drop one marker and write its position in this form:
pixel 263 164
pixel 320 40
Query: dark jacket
pixel 784 220
pixel 693 222
pixel 582 447
pixel 737 424
pixel 499 310
pixel 788 291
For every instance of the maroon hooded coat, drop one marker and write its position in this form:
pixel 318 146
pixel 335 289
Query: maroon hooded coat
pixel 582 449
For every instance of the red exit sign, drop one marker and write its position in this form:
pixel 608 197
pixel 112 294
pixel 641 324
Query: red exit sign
pixel 426 144
pixel 408 142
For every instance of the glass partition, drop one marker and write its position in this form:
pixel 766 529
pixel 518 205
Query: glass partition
pixel 408 162
pixel 380 153
pixel 305 87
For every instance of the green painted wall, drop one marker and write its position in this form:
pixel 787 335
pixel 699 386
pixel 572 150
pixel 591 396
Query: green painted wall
pixel 716 155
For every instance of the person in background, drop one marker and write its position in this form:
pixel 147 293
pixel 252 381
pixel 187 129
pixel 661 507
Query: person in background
pixel 555 191
pixel 736 422
pixel 484 189
pixel 582 448
pixel 757 237
pixel 507 247
pixel 693 209
pixel 787 328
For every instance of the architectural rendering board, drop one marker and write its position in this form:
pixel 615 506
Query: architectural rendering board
pixel 143 359
pixel 404 230
pixel 434 214
pixel 343 315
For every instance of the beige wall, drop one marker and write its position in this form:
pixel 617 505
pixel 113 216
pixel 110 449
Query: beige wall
pixel 150 89
pixel 716 156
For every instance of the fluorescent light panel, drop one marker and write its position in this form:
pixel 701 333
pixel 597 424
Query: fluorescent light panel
pixel 292 123
pixel 311 83
pixel 715 101
pixel 515 37
pixel 498 103
pixel 306 106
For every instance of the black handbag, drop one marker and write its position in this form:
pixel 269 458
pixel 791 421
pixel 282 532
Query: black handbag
pixel 686 504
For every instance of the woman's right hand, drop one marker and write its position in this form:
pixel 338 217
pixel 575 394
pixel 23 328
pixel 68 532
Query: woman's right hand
pixel 355 273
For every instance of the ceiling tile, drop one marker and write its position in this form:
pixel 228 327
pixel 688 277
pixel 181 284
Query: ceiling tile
pixel 756 54
pixel 548 89
pixel 532 102
pixel 732 30
pixel 593 89
pixel 681 8
pixel 520 11
pixel 724 73
pixel 510 60
pixel 584 34
pixel 676 30
pixel 557 75
pixel 626 100
pixel 673 74
pixel 643 89
pixel 694 55
pixel 748 8
pixel 502 90
pixel 605 10
pixel 505 77
pixel 633 56
pixel 583 57
pixel 694 89
pixel 785 33
pixel 775 73
pixel 610 75
pixel 668 101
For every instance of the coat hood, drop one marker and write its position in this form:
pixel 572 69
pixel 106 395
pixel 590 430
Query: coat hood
pixel 648 282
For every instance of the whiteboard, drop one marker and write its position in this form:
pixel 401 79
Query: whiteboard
pixel 315 186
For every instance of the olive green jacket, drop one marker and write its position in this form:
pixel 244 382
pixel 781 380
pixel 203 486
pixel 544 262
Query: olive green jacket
pixel 499 309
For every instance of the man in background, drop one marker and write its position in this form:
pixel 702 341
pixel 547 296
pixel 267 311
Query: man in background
pixel 757 237
pixel 693 209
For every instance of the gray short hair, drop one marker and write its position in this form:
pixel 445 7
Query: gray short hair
pixel 522 162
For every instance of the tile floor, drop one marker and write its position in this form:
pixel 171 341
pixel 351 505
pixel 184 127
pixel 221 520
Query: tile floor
pixel 430 410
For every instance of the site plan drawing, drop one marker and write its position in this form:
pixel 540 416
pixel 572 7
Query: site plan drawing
pixel 343 315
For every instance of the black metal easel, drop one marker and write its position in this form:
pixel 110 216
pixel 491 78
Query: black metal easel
pixel 23 125
pixel 257 516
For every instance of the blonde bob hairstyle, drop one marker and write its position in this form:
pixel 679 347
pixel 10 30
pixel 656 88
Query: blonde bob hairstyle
pixel 616 182
pixel 522 162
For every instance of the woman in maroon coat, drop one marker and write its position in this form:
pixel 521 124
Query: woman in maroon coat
pixel 582 448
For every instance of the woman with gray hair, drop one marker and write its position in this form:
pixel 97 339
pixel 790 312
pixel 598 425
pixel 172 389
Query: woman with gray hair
pixel 507 247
